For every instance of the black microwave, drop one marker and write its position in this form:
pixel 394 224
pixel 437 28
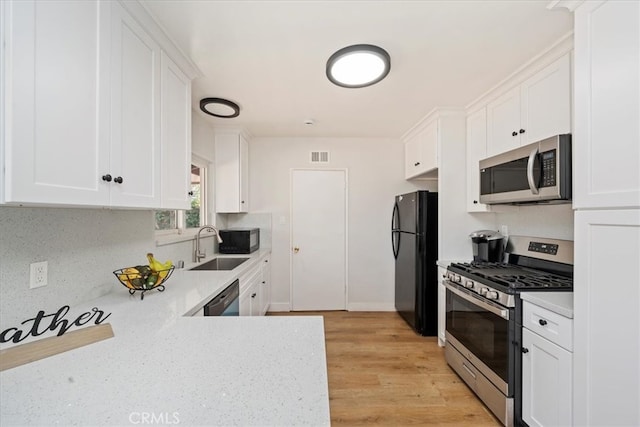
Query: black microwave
pixel 239 240
pixel 534 173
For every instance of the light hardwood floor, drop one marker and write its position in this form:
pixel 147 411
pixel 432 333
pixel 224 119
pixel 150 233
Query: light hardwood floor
pixel 382 373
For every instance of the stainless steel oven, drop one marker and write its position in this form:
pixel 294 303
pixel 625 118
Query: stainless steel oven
pixel 479 335
pixel 483 329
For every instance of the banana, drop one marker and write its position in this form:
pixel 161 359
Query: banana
pixel 158 267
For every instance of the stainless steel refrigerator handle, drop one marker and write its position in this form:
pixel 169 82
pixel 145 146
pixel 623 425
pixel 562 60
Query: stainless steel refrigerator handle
pixel 482 304
pixel 532 158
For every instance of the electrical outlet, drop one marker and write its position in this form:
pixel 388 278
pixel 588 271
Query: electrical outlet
pixel 38 275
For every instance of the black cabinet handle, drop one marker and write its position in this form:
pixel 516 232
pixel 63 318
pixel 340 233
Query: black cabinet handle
pixel 525 350
pixel 514 133
pixel 542 322
pixel 521 131
pixel 106 177
pixel 118 179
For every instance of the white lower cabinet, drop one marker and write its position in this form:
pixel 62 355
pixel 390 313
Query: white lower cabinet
pixel 265 285
pixel 255 289
pixel 442 306
pixel 546 368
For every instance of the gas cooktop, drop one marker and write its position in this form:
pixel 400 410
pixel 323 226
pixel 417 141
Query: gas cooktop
pixel 514 277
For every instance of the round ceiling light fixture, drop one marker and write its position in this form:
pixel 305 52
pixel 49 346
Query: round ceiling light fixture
pixel 359 65
pixel 219 107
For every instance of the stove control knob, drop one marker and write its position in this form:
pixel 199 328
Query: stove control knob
pixel 457 278
pixel 469 284
pixel 491 294
pixel 483 291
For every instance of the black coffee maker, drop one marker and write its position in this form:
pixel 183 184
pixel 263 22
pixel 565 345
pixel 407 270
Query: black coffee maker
pixel 488 246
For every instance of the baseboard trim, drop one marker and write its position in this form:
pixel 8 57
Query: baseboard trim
pixel 279 306
pixel 370 306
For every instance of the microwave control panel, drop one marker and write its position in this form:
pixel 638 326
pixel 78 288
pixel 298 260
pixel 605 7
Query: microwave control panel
pixel 548 159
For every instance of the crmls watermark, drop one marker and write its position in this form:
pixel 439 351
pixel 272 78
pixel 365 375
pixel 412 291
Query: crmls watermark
pixel 150 418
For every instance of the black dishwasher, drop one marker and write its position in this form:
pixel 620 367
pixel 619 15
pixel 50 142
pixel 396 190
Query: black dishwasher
pixel 226 303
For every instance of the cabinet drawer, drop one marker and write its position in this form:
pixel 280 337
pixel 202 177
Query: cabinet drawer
pixel 552 326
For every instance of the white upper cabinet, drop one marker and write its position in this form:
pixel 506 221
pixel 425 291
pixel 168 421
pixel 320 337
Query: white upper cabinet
pixel 476 151
pixel 538 108
pixel 421 151
pixel 607 101
pixel 135 114
pixel 175 115
pixel 56 135
pixel 82 106
pixel 232 172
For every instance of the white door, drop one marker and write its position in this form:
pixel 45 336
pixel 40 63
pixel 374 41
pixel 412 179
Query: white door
pixel 318 240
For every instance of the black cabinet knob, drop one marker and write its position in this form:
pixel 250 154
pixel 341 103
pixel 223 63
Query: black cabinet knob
pixel 416 164
pixel 190 193
pixel 242 202
pixel 525 350
pixel 253 295
pixel 521 131
pixel 542 322
pixel 475 202
pixel 514 133
pixel 118 179
pixel 263 282
pixel 106 177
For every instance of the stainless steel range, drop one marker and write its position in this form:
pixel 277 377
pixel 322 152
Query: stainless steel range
pixel 484 316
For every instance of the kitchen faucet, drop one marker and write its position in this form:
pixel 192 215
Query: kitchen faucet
pixel 197 255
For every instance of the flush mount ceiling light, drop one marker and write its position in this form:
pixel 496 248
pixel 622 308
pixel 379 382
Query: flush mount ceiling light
pixel 219 107
pixel 359 65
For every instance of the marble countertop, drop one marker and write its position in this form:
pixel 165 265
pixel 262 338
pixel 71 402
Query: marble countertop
pixel 162 367
pixel 558 302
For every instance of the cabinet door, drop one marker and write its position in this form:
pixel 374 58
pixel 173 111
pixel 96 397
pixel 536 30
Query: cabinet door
pixel 546 102
pixel 245 302
pixel 176 135
pixel 265 296
pixel 607 317
pixel 607 102
pixel 232 173
pixel 429 148
pixel 135 113
pixel 244 175
pixel 476 151
pixel 56 143
pixel 503 123
pixel 442 306
pixel 411 157
pixel 546 382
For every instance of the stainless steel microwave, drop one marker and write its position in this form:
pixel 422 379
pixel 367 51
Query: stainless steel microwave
pixel 538 172
pixel 239 240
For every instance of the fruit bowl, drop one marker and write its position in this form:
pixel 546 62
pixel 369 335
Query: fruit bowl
pixel 142 278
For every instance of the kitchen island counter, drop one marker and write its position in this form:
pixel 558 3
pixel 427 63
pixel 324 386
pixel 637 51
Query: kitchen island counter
pixel 162 367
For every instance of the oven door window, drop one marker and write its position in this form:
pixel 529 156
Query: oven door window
pixel 483 333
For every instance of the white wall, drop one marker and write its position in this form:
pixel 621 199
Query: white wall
pixel 375 176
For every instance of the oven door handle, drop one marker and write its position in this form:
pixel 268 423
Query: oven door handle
pixel 492 308
pixel 530 177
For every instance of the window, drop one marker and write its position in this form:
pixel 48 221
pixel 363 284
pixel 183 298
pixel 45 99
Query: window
pixel 175 221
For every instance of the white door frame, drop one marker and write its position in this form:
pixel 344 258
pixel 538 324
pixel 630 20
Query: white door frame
pixel 346 230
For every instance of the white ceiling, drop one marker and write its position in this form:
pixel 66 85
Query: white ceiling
pixel 270 57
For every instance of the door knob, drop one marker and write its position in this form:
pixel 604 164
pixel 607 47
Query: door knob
pixel 296 250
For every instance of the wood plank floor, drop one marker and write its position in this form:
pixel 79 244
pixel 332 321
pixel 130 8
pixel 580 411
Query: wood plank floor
pixel 382 373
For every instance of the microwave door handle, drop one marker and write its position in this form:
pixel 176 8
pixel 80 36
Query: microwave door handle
pixel 530 163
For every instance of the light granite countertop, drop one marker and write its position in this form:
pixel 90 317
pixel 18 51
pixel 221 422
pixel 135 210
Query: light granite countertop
pixel 162 367
pixel 559 302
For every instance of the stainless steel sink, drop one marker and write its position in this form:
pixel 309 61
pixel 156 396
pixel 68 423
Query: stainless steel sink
pixel 220 264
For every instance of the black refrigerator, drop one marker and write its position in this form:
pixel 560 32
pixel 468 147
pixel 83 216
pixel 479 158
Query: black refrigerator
pixel 414 237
